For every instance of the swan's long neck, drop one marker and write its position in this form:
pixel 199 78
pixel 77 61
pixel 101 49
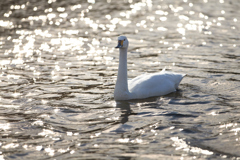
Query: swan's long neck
pixel 122 70
pixel 121 89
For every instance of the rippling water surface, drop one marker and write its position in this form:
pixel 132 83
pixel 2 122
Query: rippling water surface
pixel 58 67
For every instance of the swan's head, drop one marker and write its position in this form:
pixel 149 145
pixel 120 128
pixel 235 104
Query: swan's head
pixel 122 42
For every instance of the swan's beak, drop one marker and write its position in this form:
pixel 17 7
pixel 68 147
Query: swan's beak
pixel 120 44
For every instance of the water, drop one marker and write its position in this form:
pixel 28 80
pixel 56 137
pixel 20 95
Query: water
pixel 59 67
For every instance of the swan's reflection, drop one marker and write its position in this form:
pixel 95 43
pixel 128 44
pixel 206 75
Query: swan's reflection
pixel 125 110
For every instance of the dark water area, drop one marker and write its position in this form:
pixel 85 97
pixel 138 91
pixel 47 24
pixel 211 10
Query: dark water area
pixel 58 68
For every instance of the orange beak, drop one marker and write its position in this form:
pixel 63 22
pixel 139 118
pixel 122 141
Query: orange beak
pixel 120 44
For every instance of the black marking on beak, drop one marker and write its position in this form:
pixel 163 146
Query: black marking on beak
pixel 120 44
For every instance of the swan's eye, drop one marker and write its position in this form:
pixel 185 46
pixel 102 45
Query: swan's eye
pixel 124 39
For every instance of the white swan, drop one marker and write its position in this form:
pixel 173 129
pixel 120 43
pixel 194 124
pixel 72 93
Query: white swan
pixel 143 86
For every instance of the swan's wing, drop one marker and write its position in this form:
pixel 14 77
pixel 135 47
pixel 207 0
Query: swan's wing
pixel 143 77
pixel 156 84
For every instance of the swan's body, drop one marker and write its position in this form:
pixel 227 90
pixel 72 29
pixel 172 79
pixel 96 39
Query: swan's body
pixel 143 86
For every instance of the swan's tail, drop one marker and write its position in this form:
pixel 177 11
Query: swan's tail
pixel 176 78
pixel 179 79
